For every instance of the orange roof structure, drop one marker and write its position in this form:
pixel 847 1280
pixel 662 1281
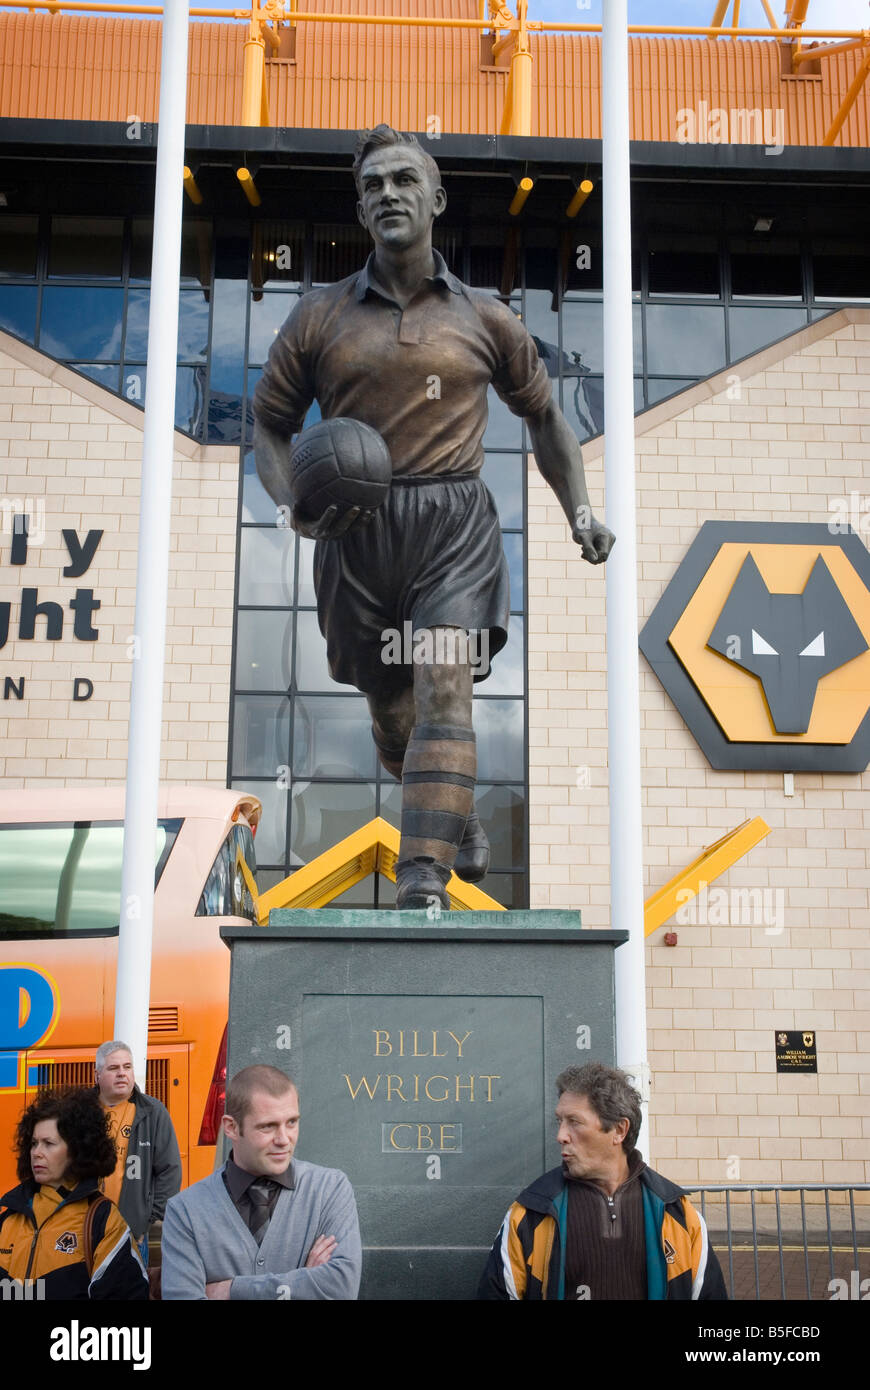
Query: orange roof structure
pixel 346 76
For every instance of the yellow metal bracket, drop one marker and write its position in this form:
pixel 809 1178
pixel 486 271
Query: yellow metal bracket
pixel 710 863
pixel 372 849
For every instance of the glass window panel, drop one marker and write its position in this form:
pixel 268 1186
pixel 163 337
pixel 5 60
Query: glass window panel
pixel 324 813
pixel 588 276
pixel 684 265
pixel 190 399
pixel 266 565
pixel 386 892
pixel 583 404
pixel 312 671
pixel 583 335
pixel 307 597
pixel 257 505
pixel 86 247
pixel 261 735
pixel 638 395
pixel 503 475
pixel 277 253
pixel 263 646
pixel 133 385
pixel 83 324
pixel 268 878
pixel 492 257
pixel 228 336
pixel 500 740
pixel 513 549
pixel 659 390
pixel 18 310
pixel 362 894
pixel 225 413
pixel 391 800
pixel 750 329
pixel 339 250
pixel 504 430
pixel 502 811
pixel 271 839
pixel 332 737
pixel 18 244
pixel 842 272
pixel 192 326
pixel 685 339
pixel 542 264
pixel 543 325
pixel 103 372
pixel 448 240
pixel 766 268
pixel 507 889
pixel 193 314
pixel 196 247
pixel 508 667
pixel 267 316
pixel 136 336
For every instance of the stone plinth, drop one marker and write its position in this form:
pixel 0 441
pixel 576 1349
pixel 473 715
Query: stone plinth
pixel 425 1053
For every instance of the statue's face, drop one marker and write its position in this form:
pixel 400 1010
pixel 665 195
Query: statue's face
pixel 398 200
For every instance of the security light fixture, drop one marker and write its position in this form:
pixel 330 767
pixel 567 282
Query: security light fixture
pixel 763 224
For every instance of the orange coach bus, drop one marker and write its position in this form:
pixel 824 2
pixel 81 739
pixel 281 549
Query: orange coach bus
pixel 60 892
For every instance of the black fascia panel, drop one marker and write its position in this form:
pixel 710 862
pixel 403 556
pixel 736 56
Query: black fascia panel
pixel 722 161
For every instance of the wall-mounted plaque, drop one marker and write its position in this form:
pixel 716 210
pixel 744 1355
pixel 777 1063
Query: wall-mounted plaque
pixel 796 1051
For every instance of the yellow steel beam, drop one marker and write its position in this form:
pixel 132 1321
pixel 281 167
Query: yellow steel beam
pixel 770 15
pixel 518 202
pixel 373 848
pixel 576 203
pixel 710 863
pixel 848 102
pixel 808 55
pixel 249 188
pixel 719 13
pixel 191 187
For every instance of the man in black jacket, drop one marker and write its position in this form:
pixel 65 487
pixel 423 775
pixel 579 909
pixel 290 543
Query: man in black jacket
pixel 604 1226
pixel 148 1171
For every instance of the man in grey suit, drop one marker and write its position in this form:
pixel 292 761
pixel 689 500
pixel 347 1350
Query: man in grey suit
pixel 263 1227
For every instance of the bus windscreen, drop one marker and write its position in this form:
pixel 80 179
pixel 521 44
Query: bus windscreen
pixel 65 879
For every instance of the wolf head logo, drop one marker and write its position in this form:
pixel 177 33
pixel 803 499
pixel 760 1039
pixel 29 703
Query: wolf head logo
pixel 66 1243
pixel 789 641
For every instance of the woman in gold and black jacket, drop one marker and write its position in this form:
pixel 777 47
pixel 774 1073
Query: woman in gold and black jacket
pixel 60 1238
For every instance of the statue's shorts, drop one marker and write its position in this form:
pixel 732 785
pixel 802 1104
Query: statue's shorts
pixel 431 556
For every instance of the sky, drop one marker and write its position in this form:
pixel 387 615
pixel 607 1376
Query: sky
pixel 830 14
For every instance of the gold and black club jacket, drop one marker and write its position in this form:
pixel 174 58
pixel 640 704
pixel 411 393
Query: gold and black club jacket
pixel 41 1246
pixel 527 1260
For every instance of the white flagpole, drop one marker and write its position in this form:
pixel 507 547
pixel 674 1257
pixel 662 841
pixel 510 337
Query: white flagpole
pixel 623 702
pixel 152 573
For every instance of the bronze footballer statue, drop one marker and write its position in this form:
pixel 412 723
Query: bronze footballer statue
pixel 430 555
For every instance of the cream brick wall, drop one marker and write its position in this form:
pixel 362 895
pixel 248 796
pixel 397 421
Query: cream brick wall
pixel 75 450
pixel 797 435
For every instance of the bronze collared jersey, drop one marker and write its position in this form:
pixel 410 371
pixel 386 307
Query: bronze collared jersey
pixel 419 376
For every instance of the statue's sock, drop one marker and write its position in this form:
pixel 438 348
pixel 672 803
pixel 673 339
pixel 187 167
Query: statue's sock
pixel 437 792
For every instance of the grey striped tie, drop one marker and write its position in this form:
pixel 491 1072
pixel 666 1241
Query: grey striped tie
pixel 260 1194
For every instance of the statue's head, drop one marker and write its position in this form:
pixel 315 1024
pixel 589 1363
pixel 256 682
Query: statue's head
pixel 399 187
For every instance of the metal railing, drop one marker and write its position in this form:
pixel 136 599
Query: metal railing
pixel 793 1250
